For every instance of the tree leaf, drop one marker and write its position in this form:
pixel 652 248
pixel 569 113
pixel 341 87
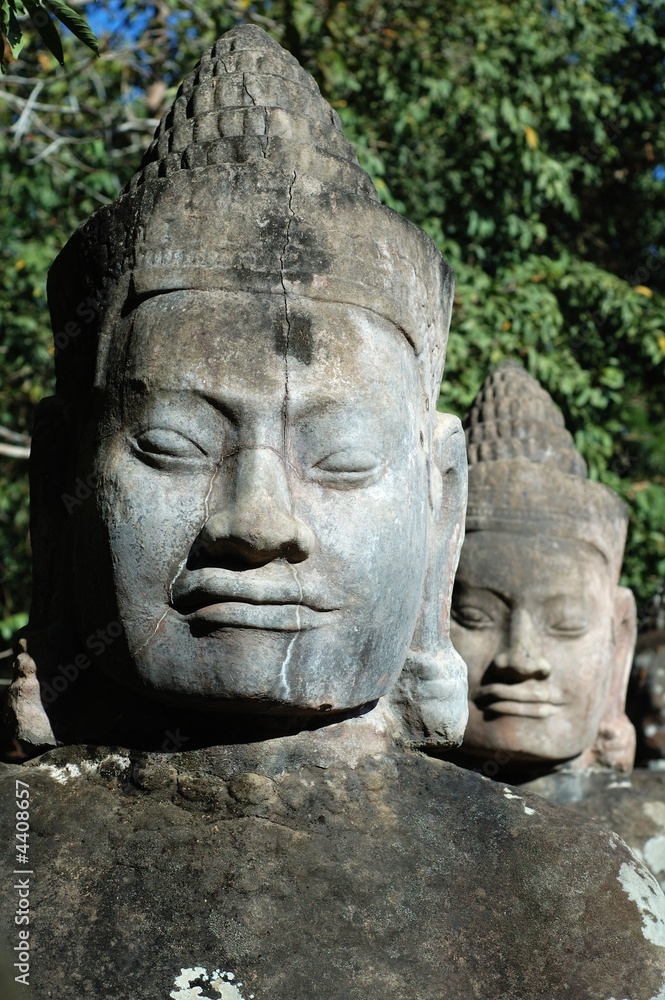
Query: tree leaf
pixel 531 137
pixel 10 29
pixel 41 19
pixel 14 36
pixel 74 21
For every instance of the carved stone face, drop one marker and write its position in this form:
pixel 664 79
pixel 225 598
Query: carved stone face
pixel 261 503
pixel 533 618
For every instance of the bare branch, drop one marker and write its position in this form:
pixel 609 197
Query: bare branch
pixel 22 125
pixel 138 125
pixel 14 436
pixel 14 451
pixel 20 102
pixel 60 140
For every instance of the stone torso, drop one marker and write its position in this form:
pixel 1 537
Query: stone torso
pixel 400 877
pixel 632 806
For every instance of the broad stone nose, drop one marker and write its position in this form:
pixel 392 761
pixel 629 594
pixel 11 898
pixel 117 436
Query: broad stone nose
pixel 256 524
pixel 522 656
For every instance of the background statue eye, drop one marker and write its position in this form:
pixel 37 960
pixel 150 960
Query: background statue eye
pixel 569 628
pixel 348 468
pixel 469 616
pixel 161 444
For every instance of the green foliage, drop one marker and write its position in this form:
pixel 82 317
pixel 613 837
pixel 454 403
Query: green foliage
pixel 60 140
pixel 521 135
pixel 39 12
pixel 10 32
pixel 73 20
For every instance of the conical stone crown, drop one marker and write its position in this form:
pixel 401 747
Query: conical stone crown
pixel 525 474
pixel 514 417
pixel 248 186
pixel 249 99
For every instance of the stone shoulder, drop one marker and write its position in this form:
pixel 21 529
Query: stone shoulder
pixel 437 865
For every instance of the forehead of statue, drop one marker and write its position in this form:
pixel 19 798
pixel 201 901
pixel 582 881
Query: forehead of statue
pixel 257 346
pixel 533 565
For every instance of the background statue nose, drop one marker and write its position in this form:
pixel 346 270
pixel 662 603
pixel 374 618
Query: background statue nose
pixel 522 656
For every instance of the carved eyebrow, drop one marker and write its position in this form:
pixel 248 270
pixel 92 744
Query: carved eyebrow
pixel 233 407
pixel 229 408
pixel 168 396
pixel 136 297
pixel 506 599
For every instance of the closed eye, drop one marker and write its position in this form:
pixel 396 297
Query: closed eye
pixel 348 468
pixel 162 446
pixel 472 617
pixel 569 628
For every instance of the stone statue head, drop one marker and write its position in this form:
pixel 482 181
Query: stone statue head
pixel 244 500
pixel 546 632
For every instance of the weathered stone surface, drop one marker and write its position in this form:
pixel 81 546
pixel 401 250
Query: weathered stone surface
pixel 632 806
pixel 538 616
pixel 395 876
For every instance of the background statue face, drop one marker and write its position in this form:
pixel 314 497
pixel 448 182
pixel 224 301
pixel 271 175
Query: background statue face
pixel 261 503
pixel 533 618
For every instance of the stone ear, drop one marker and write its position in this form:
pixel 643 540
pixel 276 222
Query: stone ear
pixel 615 744
pixel 429 698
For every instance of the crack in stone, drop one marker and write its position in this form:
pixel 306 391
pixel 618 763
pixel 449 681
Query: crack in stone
pixel 206 501
pixel 193 551
pixel 266 134
pixel 245 88
pixel 179 570
pixel 285 248
pixel 285 688
pixel 196 545
pixel 154 633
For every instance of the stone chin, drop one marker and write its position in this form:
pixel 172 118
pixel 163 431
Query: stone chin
pixel 247 671
pixel 527 739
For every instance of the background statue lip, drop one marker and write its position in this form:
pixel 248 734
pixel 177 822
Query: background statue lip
pixel 225 598
pixel 519 699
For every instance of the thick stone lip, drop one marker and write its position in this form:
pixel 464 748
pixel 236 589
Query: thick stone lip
pixel 277 617
pixel 524 709
pixel 532 702
pixel 210 587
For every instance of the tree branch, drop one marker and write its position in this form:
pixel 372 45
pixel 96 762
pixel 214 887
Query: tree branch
pixel 14 437
pixel 14 451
